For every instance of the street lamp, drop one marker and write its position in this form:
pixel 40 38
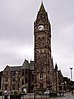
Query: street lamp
pixel 71 72
pixel 35 89
pixel 71 80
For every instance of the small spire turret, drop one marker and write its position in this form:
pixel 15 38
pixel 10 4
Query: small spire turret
pixel 56 67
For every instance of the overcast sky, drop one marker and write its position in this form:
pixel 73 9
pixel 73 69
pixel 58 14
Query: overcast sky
pixel 16 31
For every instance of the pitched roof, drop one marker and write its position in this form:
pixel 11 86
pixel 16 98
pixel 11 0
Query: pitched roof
pixel 12 68
pixel 27 65
pixel 31 65
pixel 15 68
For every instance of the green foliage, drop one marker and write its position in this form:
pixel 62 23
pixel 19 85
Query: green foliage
pixel 15 93
pixel 19 93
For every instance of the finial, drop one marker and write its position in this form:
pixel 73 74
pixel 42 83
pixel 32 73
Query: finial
pixel 56 67
pixel 42 9
pixel 42 2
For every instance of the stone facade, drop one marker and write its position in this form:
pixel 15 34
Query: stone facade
pixel 45 74
pixel 41 71
pixel 42 48
pixel 18 77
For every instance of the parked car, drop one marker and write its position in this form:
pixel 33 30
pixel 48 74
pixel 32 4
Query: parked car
pixel 47 92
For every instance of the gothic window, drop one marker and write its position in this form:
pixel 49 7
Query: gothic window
pixel 13 73
pixel 43 38
pixel 23 82
pixel 13 79
pixel 6 86
pixel 41 71
pixel 13 87
pixel 19 72
pixel 6 73
pixel 41 75
pixel 41 85
pixel 38 39
pixel 22 72
pixel 6 79
pixel 26 71
pixel 32 77
pixel 18 79
pixel 26 80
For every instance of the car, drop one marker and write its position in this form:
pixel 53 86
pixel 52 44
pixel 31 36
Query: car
pixel 47 92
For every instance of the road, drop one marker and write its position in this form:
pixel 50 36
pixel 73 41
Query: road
pixel 66 96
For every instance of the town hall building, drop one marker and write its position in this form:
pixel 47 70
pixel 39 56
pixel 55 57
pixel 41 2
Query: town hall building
pixel 41 71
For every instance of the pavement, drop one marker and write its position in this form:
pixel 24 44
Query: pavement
pixel 66 96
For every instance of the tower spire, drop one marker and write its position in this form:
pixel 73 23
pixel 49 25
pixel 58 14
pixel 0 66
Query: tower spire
pixel 42 9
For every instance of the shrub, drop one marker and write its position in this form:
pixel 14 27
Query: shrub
pixel 15 93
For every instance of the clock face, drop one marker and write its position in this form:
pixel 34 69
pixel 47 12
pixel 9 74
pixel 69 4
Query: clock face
pixel 40 27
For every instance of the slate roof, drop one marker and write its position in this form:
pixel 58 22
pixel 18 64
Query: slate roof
pixel 26 65
pixel 15 68
pixel 31 65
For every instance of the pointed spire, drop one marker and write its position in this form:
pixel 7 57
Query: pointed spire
pixel 42 9
pixel 56 67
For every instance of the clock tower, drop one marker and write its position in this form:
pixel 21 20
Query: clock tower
pixel 42 49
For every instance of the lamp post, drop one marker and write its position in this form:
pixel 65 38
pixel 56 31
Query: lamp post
pixel 35 85
pixel 71 72
pixel 71 80
pixel 35 90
